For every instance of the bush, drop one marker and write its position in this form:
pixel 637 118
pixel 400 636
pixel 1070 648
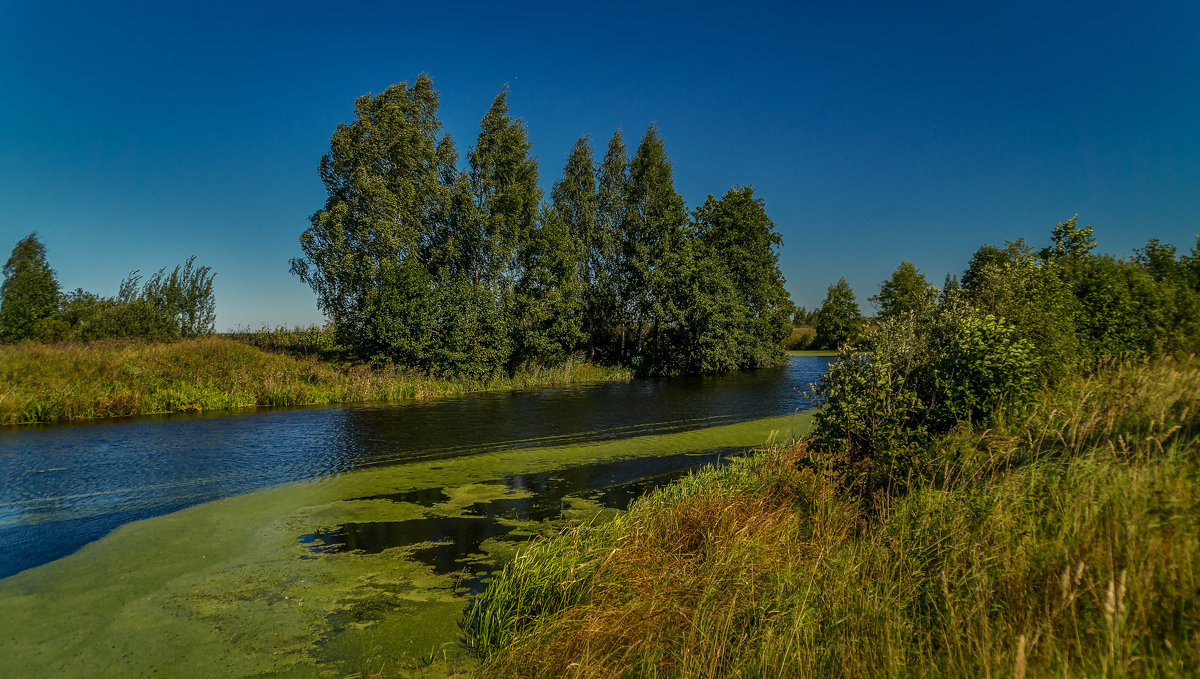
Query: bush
pixel 924 374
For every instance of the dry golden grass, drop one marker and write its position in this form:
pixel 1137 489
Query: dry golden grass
pixel 1065 544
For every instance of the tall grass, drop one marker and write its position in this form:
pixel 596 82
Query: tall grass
pixel 1065 543
pixel 63 382
pixel 802 338
pixel 311 340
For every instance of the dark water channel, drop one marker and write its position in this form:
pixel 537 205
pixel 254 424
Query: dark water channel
pixel 612 485
pixel 64 486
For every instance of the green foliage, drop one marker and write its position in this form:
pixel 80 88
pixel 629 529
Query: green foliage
pixel 802 317
pixel 839 320
pixel 611 291
pixel 736 313
pixel 71 381
pixel 167 306
pixel 984 365
pixel 1070 241
pixel 906 292
pixel 653 238
pixel 1037 299
pixel 587 242
pixel 1020 321
pixel 465 272
pixel 550 294
pixel 925 374
pixel 1124 309
pixel 29 294
pixel 868 419
pixel 367 251
pixel 504 186
pixel 1065 542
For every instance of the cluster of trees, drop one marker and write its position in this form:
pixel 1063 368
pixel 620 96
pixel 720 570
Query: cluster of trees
pixel 470 271
pixel 1019 319
pixel 167 305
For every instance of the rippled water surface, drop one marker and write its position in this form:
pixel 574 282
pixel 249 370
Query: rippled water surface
pixel 64 486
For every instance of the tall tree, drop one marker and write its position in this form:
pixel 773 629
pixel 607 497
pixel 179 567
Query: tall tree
pixel 29 294
pixel 367 251
pixel 653 239
pixel 575 205
pixel 504 185
pixel 839 319
pixel 905 292
pixel 738 313
pixel 613 298
pixel 548 299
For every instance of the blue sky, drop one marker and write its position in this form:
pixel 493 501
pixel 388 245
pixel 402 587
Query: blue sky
pixel 133 135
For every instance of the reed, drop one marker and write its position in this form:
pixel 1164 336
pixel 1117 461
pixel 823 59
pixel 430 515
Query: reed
pixel 1065 543
pixel 42 383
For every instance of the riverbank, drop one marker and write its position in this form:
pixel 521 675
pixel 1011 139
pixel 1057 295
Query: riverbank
pixel 268 583
pixel 1066 542
pixel 46 383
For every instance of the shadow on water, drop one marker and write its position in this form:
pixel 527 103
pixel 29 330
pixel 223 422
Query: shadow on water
pixel 458 540
pixel 425 497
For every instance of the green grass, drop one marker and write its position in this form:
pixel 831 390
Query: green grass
pixel 801 339
pixel 42 383
pixel 813 352
pixel 1065 542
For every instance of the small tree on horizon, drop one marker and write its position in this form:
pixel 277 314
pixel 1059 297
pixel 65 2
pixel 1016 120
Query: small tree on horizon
pixel 906 291
pixel 839 319
pixel 29 294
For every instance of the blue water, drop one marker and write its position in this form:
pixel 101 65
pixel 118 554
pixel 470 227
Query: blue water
pixel 64 486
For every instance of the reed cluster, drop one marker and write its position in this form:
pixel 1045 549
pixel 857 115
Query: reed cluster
pixel 1063 542
pixel 42 383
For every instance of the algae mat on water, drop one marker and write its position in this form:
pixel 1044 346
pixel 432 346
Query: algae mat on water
pixel 300 580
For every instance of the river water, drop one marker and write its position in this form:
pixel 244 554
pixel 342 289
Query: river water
pixel 340 486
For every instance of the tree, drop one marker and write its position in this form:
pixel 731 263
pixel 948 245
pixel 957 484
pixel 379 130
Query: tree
pixel 950 288
pixel 29 294
pixel 739 246
pixel 504 185
pixel 549 295
pixel 367 253
pixel 613 295
pixel 575 206
pixel 1070 241
pixel 653 240
pixel 905 292
pixel 839 319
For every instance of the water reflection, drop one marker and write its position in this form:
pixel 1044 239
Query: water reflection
pixel 459 540
pixel 64 486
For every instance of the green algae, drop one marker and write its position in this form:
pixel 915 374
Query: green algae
pixel 230 588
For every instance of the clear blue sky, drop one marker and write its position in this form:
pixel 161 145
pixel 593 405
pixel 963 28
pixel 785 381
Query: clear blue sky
pixel 133 135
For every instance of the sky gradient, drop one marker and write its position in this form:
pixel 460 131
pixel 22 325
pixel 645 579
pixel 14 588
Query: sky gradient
pixel 133 135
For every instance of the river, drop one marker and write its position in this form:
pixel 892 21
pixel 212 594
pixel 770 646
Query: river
pixel 329 541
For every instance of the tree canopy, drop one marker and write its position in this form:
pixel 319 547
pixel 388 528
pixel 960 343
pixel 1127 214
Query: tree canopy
pixel 466 270
pixel 29 294
pixel 905 292
pixel 838 320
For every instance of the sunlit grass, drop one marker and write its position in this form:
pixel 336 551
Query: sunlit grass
pixel 63 382
pixel 1065 543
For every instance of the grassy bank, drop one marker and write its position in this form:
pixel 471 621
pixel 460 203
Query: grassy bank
pixel 1063 543
pixel 41 383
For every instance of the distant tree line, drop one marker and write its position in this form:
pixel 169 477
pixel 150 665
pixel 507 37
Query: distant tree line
pixel 1019 319
pixel 167 305
pixel 469 270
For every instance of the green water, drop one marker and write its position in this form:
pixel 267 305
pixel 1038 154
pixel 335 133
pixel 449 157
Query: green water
pixel 240 586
